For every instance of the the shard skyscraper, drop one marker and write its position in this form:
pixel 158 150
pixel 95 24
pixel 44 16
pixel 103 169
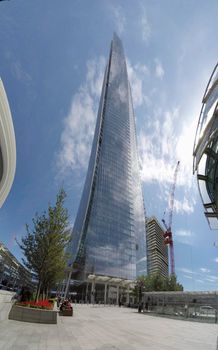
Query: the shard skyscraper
pixel 108 237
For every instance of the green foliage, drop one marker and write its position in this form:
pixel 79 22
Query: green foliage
pixel 157 283
pixel 44 245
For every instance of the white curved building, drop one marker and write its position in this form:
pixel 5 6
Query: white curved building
pixel 206 151
pixel 7 147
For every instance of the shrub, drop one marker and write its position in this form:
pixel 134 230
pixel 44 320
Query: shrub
pixel 41 304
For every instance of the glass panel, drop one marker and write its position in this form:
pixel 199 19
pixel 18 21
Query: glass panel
pixel 209 111
pixel 203 190
pixel 213 80
pixel 209 210
pixel 213 223
pixel 202 164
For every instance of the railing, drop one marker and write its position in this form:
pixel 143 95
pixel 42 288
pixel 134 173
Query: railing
pixel 201 313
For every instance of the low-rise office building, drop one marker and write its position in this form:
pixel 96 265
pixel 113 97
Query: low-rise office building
pixel 12 273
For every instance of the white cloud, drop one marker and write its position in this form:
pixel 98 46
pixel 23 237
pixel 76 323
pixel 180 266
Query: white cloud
pixel 183 150
pixel 204 270
pixel 142 68
pixel 216 260
pixel 211 278
pixel 184 206
pixel 79 125
pixel 183 233
pixel 215 278
pixel 160 147
pixel 159 71
pixel 185 236
pixel 137 74
pixel 94 77
pixel 185 270
pixel 144 25
pixel 186 276
pixel 155 147
pixel 19 73
pixel 200 277
pixel 119 18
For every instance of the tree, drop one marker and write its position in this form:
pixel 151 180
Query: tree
pixel 156 282
pixel 45 243
pixel 172 284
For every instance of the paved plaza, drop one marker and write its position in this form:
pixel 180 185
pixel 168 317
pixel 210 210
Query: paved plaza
pixel 107 328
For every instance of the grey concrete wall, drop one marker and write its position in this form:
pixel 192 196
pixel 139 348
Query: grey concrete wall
pixel 5 304
pixel 27 314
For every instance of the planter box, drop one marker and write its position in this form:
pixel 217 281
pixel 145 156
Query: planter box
pixel 28 314
pixel 67 312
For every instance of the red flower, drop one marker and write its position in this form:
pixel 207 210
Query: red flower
pixel 40 304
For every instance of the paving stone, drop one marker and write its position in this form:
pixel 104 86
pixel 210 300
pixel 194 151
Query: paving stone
pixel 107 328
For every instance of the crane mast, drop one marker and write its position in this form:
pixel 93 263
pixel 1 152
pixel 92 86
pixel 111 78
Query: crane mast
pixel 168 236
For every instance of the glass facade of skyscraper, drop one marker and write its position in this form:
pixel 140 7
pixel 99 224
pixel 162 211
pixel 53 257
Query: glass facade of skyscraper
pixel 108 237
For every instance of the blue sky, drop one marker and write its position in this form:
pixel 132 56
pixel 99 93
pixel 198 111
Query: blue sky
pixel 52 59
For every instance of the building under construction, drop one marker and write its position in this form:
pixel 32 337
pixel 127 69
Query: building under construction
pixel 157 251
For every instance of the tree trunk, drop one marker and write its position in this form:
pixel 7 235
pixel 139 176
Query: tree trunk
pixel 38 291
pixel 46 292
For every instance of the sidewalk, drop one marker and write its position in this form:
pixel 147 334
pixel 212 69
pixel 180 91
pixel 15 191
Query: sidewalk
pixel 108 328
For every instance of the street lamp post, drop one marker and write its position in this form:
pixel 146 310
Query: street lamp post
pixel 140 296
pixel 68 282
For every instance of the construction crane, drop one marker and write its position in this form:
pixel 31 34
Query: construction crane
pixel 168 236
